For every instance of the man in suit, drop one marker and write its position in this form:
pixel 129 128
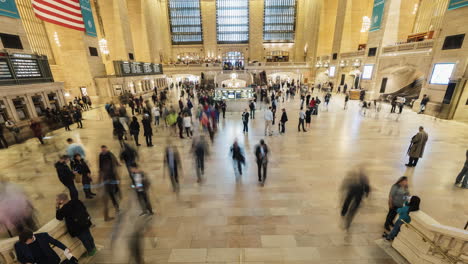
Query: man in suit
pixel 35 248
pixel 284 119
pixel 261 154
pixel 416 149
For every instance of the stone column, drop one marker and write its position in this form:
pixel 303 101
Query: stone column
pixel 255 30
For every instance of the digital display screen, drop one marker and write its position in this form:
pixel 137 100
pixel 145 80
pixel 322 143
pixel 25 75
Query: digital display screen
pixel 137 68
pixel 331 71
pixel 441 73
pixel 367 71
pixel 5 72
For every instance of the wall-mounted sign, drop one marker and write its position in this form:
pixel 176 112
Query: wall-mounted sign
pixel 454 4
pixel 88 19
pixel 331 71
pixel 377 15
pixel 124 68
pixel 8 8
pixel 21 68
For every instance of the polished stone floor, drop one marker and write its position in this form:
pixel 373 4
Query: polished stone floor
pixel 294 218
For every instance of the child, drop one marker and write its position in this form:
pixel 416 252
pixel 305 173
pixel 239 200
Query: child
pixel 411 206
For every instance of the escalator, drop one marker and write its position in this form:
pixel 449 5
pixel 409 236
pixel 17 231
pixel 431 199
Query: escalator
pixel 409 92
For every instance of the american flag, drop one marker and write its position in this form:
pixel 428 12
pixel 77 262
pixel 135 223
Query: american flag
pixel 66 13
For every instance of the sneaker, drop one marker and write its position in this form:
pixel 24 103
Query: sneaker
pixel 92 253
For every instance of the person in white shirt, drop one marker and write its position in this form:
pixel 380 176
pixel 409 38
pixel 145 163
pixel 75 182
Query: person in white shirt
pixel 156 113
pixel 301 120
pixel 188 125
pixel 268 121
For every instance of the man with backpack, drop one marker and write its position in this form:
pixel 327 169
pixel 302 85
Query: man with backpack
pixel 77 220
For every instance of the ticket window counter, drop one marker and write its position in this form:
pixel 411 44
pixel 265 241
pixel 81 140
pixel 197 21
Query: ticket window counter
pixel 53 101
pixel 39 105
pixel 3 113
pixel 21 108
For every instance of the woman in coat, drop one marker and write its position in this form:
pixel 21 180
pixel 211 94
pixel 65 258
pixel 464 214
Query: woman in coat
pixel 416 149
pixel 308 113
pixel 80 166
pixel 148 131
pixel 135 129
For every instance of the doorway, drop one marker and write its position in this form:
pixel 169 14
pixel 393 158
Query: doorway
pixel 383 85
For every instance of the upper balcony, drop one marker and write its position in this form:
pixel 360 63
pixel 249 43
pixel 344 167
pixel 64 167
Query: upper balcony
pixel 406 48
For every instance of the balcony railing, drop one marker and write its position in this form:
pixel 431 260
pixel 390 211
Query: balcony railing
pixel 351 54
pixel 408 46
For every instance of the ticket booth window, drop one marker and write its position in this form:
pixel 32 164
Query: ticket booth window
pixel 39 105
pixel 54 104
pixel 21 108
pixel 3 113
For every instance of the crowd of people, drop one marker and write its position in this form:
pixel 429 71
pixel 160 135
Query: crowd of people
pixel 195 116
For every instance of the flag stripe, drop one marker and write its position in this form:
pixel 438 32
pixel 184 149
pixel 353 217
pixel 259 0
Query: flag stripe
pixel 65 13
pixel 59 20
pixel 52 11
pixel 56 5
pixel 60 3
pixel 61 24
pixel 63 16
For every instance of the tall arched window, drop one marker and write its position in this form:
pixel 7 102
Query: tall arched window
pixel 185 19
pixel 279 20
pixel 232 21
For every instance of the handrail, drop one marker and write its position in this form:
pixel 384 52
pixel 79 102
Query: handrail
pixel 427 239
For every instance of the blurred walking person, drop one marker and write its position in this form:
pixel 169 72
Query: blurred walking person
pixel 173 163
pixel 200 151
pixel 37 130
pixel 302 117
pixel 238 158
pixel 268 121
pixel 141 185
pixel 245 121
pixel 109 177
pixel 355 186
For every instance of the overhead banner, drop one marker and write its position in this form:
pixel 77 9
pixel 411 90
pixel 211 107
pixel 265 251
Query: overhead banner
pixel 454 4
pixel 377 15
pixel 88 19
pixel 8 8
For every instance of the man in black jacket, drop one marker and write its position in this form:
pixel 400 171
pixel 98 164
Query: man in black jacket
pixel 245 121
pixel 77 220
pixel 284 119
pixel 66 176
pixel 261 154
pixel 109 177
pixel 35 248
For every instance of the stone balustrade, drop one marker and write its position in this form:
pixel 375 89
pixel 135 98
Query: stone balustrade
pixel 56 229
pixel 427 44
pixel 358 53
pixel 426 241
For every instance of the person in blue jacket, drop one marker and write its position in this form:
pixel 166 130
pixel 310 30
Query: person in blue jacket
pixel 35 248
pixel 404 217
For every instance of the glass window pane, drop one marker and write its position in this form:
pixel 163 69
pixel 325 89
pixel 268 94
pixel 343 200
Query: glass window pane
pixel 185 18
pixel 279 20
pixel 232 21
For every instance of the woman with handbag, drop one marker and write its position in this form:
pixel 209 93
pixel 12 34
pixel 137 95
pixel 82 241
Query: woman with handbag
pixel 80 166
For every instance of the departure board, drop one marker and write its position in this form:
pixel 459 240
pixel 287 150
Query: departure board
pixel 124 68
pixel 26 68
pixel 5 72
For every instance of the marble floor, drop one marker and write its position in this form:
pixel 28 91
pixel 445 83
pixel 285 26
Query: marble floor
pixel 294 218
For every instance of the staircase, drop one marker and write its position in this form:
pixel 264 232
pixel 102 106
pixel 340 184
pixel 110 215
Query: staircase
pixel 410 92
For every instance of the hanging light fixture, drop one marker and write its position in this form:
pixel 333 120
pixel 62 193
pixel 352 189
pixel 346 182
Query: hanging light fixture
pixel 103 46
pixel 365 24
